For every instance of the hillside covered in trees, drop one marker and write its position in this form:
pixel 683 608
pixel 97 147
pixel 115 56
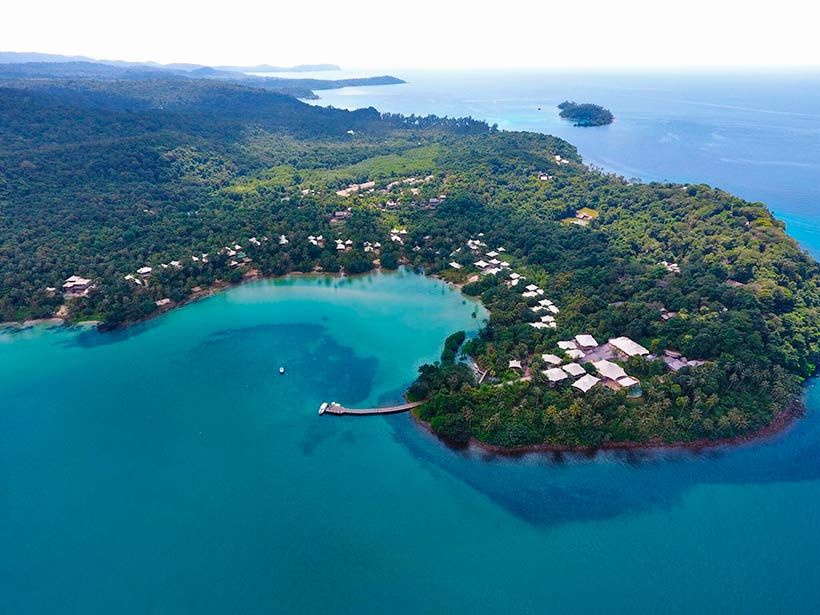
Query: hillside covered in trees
pixel 150 190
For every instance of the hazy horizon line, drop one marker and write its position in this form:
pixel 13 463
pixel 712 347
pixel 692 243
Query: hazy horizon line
pixel 644 68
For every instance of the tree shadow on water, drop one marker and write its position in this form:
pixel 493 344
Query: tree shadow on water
pixel 555 488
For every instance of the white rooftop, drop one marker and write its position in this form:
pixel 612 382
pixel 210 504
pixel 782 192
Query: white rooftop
pixel 628 347
pixel 586 341
pixel 610 370
pixel 567 345
pixel 628 381
pixel 586 383
pixel 551 359
pixel 556 374
pixel 573 369
pixel 575 354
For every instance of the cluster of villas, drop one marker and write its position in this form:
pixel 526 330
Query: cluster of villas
pixel 566 365
pixel 408 181
pixel 390 204
pixel 234 251
pixel 344 245
pixel 354 188
pixel 492 266
pixel 398 236
pixel 431 203
pixel 370 186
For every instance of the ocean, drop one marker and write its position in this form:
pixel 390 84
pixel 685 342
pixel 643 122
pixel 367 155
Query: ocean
pixel 169 468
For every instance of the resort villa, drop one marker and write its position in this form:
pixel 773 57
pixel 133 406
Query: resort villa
pixel 77 286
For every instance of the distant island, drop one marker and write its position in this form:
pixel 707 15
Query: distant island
pixel 585 114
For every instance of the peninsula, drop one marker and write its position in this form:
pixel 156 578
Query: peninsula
pixel 585 114
pixel 619 311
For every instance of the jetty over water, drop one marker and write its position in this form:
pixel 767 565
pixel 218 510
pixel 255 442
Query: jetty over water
pixel 339 409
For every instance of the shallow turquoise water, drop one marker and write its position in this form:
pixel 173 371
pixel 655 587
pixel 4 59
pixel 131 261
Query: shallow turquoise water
pixel 171 469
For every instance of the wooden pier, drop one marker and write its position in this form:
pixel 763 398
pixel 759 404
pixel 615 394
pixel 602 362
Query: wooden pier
pixel 340 410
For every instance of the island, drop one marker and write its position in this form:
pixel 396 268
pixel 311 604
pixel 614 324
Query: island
pixel 620 313
pixel 585 114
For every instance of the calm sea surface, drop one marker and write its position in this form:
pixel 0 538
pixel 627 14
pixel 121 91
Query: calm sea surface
pixel 171 469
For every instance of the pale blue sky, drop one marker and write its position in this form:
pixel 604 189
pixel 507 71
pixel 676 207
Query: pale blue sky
pixel 423 33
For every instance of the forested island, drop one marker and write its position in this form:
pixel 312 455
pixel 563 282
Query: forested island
pixel 619 312
pixel 585 114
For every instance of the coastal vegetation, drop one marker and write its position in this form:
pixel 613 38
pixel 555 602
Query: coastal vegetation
pixel 155 190
pixel 585 114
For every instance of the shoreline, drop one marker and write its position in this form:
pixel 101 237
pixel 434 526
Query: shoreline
pixel 779 425
pixel 204 293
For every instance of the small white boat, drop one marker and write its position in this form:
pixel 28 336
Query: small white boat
pixel 281 370
pixel 322 408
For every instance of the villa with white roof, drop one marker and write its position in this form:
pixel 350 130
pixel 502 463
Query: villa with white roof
pixel 586 341
pixel 627 347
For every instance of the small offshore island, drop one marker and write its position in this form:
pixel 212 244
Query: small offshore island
pixel 585 114
pixel 620 313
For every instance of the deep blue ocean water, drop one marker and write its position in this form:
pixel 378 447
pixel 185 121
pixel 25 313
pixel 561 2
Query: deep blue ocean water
pixel 171 469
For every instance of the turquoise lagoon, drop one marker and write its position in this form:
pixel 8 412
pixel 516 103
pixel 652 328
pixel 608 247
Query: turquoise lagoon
pixel 169 468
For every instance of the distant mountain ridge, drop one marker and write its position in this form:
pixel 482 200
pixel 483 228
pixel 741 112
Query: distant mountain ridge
pixel 42 66
pixel 23 57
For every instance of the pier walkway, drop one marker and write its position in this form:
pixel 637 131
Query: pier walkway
pixel 339 409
